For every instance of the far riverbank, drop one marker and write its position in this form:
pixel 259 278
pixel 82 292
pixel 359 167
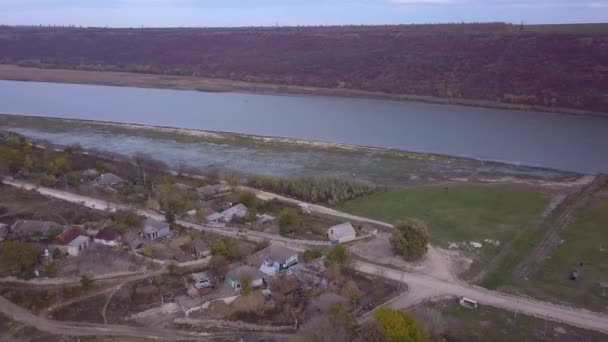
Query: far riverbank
pixel 125 79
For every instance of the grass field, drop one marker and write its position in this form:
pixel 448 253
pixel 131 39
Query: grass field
pixel 458 214
pixel 490 324
pixel 586 241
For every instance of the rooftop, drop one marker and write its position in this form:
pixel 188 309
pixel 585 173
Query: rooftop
pixel 342 230
pixel 78 241
pixel 107 235
pixel 245 271
pixel 153 226
pixel 274 252
pixel 109 179
pixel 32 226
pixel 69 235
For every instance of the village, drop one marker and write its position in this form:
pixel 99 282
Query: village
pixel 104 240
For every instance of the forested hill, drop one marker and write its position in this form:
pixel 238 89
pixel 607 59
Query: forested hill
pixel 558 66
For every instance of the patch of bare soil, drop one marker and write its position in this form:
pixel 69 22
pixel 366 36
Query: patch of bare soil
pixel 35 299
pixel 438 263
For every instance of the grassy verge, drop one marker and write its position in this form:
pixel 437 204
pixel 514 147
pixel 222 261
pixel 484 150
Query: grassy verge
pixel 458 214
pixel 584 241
pixel 491 324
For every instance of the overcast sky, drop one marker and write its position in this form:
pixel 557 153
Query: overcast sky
pixel 148 13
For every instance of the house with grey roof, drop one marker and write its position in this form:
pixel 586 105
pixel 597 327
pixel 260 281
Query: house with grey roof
pixel 340 233
pixel 34 230
pixel 132 240
pixel 110 180
pixel 154 229
pixel 274 259
pixel 235 277
pixel 238 211
pixel 198 248
pixel 214 190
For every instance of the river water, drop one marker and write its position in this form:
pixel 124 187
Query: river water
pixel 565 142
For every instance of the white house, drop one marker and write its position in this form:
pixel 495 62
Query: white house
pixel 239 210
pixel 343 232
pixel 236 276
pixel 78 245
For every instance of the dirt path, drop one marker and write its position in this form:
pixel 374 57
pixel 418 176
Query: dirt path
pixel 19 314
pixel 559 223
pixel 576 317
pixel 105 306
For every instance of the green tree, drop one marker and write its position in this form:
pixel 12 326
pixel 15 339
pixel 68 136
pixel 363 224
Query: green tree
pixel 248 198
pixel 245 285
pixel 288 220
pixel 86 283
pixel 147 251
pixel 337 255
pixel 18 257
pixel 410 239
pixel 170 216
pixel 50 269
pixel 398 326
pixel 218 247
pixel 252 215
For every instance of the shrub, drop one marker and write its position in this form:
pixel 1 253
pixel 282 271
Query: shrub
pixel 398 326
pixel 337 255
pixel 410 239
pixel 86 283
pixel 314 189
pixel 245 285
pixel 311 254
pixel 288 221
pixel 50 269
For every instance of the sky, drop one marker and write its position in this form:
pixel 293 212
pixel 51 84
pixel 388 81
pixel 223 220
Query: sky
pixel 175 13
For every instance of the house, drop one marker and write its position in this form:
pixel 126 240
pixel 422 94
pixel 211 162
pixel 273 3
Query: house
pixel 107 237
pixel 3 231
pixel 110 180
pixel 235 277
pixel 132 240
pixel 198 248
pixel 71 241
pixel 202 280
pixel 155 229
pixel 274 259
pixel 34 230
pixel 264 218
pixel 239 211
pixel 341 233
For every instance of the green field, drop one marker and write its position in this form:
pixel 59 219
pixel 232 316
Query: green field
pixel 491 324
pixel 458 213
pixel 586 241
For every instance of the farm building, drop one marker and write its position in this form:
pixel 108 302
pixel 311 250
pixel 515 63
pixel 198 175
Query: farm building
pixel 340 233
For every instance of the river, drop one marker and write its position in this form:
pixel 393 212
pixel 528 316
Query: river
pixel 564 142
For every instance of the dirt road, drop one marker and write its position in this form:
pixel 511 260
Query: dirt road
pixel 567 315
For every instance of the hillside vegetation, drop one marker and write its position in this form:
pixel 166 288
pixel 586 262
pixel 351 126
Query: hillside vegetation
pixel 550 65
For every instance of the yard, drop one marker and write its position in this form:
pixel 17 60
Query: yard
pixel 489 324
pixel 458 215
pixel 584 241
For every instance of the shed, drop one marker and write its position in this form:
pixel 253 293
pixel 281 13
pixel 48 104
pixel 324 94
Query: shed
pixel 154 229
pixel 265 218
pixel 198 248
pixel 107 237
pixel 340 233
pixel 234 277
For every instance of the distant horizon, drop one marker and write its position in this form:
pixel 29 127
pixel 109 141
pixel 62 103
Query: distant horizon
pixel 302 26
pixel 292 13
